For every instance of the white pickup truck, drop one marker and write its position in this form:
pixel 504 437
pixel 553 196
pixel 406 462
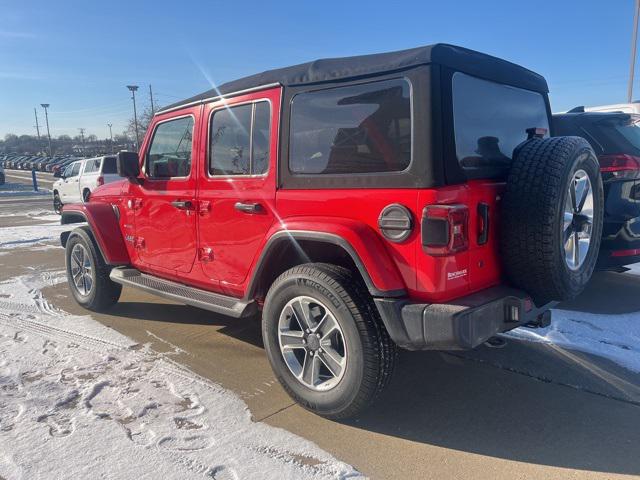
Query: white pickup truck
pixel 80 178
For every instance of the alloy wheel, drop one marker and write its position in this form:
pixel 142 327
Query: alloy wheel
pixel 81 269
pixel 578 220
pixel 312 343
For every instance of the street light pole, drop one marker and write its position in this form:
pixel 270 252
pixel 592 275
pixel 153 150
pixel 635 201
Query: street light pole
pixel 46 116
pixel 132 89
pixel 153 108
pixel 110 135
pixel 634 42
pixel 84 150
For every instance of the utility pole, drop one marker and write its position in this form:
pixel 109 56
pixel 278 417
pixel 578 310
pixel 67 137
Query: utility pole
pixel 634 42
pixel 110 135
pixel 46 116
pixel 153 108
pixel 37 125
pixel 132 89
pixel 82 137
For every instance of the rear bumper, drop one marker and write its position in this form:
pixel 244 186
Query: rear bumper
pixel 464 324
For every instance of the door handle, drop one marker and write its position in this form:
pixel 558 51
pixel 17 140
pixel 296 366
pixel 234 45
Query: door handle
pixel 249 207
pixel 182 204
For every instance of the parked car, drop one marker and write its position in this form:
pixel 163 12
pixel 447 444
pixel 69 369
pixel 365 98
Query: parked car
pixel 62 164
pixel 615 137
pixel 633 107
pixel 82 177
pixel 409 199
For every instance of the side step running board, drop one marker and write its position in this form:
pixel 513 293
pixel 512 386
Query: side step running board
pixel 195 297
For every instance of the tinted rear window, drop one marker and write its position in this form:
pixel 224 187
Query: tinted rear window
pixel 109 165
pixel 356 129
pixel 616 134
pixel 490 120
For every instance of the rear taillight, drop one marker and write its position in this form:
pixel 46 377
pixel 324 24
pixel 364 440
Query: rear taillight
pixel 445 229
pixel 100 181
pixel 626 253
pixel 620 165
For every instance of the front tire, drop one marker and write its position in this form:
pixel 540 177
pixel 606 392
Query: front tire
pixel 325 340
pixel 88 274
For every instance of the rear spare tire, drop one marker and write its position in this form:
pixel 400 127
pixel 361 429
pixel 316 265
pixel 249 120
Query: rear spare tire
pixel 552 217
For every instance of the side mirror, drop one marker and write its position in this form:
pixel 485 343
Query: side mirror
pixel 128 164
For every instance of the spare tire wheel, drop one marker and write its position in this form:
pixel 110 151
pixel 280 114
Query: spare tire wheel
pixel 552 217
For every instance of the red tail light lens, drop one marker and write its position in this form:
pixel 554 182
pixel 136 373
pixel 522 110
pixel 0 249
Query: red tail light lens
pixel 445 229
pixel 100 181
pixel 620 165
pixel 626 253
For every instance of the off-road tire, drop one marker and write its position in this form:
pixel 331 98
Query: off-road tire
pixel 372 353
pixel 57 203
pixel 533 203
pixel 105 292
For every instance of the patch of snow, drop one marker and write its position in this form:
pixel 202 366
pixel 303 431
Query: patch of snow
pixel 634 269
pixel 31 235
pixel 79 397
pixel 31 213
pixel 616 337
pixel 21 189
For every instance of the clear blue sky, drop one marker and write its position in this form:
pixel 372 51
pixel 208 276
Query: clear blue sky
pixel 78 56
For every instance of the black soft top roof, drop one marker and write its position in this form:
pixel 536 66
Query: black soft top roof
pixel 351 68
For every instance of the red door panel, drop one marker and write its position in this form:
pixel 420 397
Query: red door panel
pixel 165 215
pixel 235 211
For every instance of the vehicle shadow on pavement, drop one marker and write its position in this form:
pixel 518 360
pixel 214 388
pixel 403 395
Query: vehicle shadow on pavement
pixel 246 330
pixel 608 293
pixel 463 402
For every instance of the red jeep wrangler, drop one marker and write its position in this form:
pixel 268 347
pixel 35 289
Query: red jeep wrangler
pixel 410 199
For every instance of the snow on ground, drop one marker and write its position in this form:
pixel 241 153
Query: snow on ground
pixel 79 400
pixel 21 189
pixel 616 337
pixel 43 236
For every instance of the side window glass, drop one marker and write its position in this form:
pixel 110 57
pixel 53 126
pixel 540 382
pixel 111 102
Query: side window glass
pixel 261 137
pixel 109 166
pixel 74 169
pixel 170 152
pixel 92 166
pixel 239 140
pixel 230 144
pixel 354 129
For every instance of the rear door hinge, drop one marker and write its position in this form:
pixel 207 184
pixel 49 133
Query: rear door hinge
pixel 205 254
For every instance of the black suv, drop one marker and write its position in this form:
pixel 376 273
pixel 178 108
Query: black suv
pixel 615 137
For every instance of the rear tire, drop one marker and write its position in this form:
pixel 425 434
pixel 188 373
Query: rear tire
pixel 88 274
pixel 86 193
pixel 539 210
pixel 57 203
pixel 363 346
